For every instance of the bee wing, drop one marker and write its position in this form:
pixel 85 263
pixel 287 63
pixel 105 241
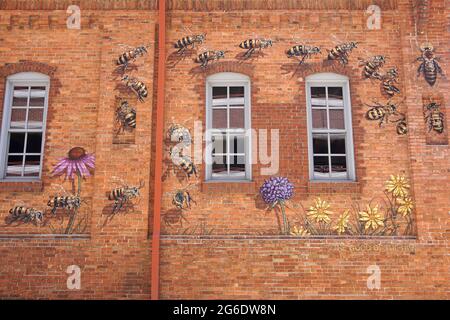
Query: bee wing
pixel 125 46
pixel 59 188
pixel 118 181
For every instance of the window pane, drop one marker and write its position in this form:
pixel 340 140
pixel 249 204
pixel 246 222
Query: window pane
pixel 219 92
pixel 337 144
pixel 318 96
pixel 319 118
pixel 219 144
pixel 35 117
pixel 335 97
pixel 20 97
pixel 237 118
pixel 37 102
pixel 339 167
pixel 16 142
pixel 34 142
pixel 18 117
pixel 237 144
pixel 14 167
pixel 237 165
pixel 236 92
pixel 32 166
pixel 337 119
pixel 219 165
pixel 321 167
pixel 219 118
pixel 320 143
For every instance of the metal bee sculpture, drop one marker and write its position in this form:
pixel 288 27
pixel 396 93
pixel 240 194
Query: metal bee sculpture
pixel 125 116
pixel 184 162
pixel 429 66
pixel 388 82
pixel 402 126
pixel 206 56
pixel 183 43
pixel 123 195
pixel 303 51
pixel 434 117
pixel 138 87
pixel 341 52
pixel 69 202
pixel 182 199
pixel 372 67
pixel 25 215
pixel 381 113
pixel 131 56
pixel 178 133
pixel 252 44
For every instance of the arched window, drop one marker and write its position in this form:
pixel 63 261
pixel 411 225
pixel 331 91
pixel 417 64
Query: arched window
pixel 23 126
pixel 228 136
pixel 330 138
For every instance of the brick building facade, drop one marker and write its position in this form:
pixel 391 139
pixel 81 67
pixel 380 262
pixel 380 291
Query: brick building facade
pixel 227 245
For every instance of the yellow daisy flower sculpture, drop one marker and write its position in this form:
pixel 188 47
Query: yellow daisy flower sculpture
pixel 342 223
pixel 371 218
pixel 398 186
pixel 406 205
pixel 299 231
pixel 319 211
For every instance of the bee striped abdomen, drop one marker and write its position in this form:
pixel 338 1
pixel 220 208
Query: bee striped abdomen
pixel 402 128
pixel 375 113
pixel 184 42
pixel 116 194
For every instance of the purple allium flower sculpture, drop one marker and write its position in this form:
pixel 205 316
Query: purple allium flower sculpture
pixel 77 162
pixel 276 191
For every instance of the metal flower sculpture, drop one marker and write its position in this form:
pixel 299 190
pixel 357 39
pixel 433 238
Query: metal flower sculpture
pixel 77 163
pixel 276 191
pixel 371 218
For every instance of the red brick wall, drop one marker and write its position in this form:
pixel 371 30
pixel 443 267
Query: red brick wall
pixel 244 257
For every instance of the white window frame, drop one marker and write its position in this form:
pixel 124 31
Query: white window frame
pixel 21 79
pixel 331 80
pixel 227 79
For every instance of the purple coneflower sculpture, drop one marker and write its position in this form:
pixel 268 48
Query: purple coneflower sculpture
pixel 276 191
pixel 78 162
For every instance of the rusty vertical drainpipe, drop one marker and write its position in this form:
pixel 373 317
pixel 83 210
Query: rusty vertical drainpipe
pixel 159 149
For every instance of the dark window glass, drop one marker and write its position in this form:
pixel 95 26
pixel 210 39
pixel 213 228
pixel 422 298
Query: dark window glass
pixel 337 119
pixel 338 165
pixel 318 92
pixel 32 166
pixel 16 142
pixel 321 166
pixel 319 118
pixel 236 92
pixel 219 118
pixel 219 92
pixel 18 117
pixel 337 143
pixel 219 165
pixel 237 163
pixel 320 143
pixel 34 142
pixel 335 93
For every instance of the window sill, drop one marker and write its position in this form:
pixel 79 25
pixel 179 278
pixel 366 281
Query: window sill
pixel 240 186
pixel 21 186
pixel 339 187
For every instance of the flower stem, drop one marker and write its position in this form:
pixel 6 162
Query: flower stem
pixel 283 213
pixel 73 216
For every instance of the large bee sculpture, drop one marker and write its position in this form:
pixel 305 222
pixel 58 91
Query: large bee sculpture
pixel 252 44
pixel 434 117
pixel 125 116
pixel 138 87
pixel 429 66
pixel 69 202
pixel 122 195
pixel 372 67
pixel 131 56
pixel 184 162
pixel 182 199
pixel 303 51
pixel 381 113
pixel 341 52
pixel 402 126
pixel 178 133
pixel 25 215
pixel 183 43
pixel 388 82
pixel 204 57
